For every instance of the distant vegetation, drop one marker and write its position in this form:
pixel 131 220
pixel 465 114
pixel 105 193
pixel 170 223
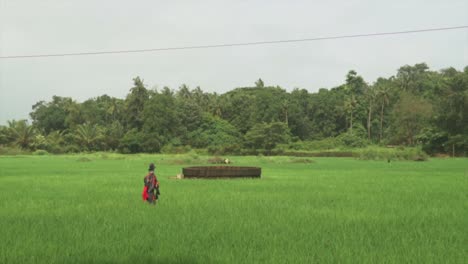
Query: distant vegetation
pixel 416 107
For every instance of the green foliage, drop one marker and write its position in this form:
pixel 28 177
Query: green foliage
pixel 410 115
pixel 267 135
pixel 328 153
pixel 4 135
pixel 71 149
pixel 160 117
pixel 52 116
pixel 432 140
pixel 352 140
pixel 135 142
pixel 88 136
pixel 21 133
pixel 215 160
pixel 457 145
pixel 171 149
pixel 13 151
pixel 297 108
pixel 135 103
pixel 132 142
pixel 312 145
pixel 215 134
pixel 102 110
pixel 412 78
pixel 389 154
pixel 113 133
pixel 245 107
pixel 383 88
pixel 39 142
pixel 415 107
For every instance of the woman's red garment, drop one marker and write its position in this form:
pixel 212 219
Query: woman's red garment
pixel 145 193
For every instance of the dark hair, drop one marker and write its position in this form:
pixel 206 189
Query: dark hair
pixel 151 167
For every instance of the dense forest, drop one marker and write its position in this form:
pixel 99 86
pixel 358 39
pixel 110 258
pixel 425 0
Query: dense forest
pixel 416 107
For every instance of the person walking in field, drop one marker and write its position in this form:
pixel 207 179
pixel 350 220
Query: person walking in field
pixel 151 190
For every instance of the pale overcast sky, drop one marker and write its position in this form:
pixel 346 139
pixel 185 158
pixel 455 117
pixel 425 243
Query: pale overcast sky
pixel 66 26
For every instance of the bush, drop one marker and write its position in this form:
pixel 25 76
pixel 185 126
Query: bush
pixel 267 135
pixel 352 140
pixel 12 151
pixel 432 141
pixel 337 154
pixel 56 149
pixel 84 159
pixel 378 153
pixel 247 152
pixel 40 152
pixel 216 160
pixel 224 149
pixel 416 154
pixel 151 143
pixel 343 141
pixel 171 149
pixel 214 133
pixel 278 151
pixel 132 142
pixel 193 155
pixel 71 149
pixel 323 144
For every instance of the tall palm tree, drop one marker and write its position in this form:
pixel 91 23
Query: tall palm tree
pixel 371 95
pixel 354 88
pixel 215 105
pixel 349 106
pixel 383 95
pixel 285 108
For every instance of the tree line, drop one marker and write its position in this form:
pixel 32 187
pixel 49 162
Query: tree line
pixel 417 106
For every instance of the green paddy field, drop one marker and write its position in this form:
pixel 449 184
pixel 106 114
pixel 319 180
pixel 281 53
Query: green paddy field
pixel 88 209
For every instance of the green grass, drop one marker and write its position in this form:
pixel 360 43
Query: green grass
pixel 88 209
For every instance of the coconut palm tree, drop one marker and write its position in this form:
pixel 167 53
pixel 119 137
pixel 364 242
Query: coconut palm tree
pixel 350 105
pixel 383 96
pixel 88 135
pixel 371 96
pixel 3 135
pixel 21 133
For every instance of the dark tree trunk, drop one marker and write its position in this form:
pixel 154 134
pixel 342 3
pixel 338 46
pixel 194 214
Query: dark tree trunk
pixel 381 123
pixel 369 117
